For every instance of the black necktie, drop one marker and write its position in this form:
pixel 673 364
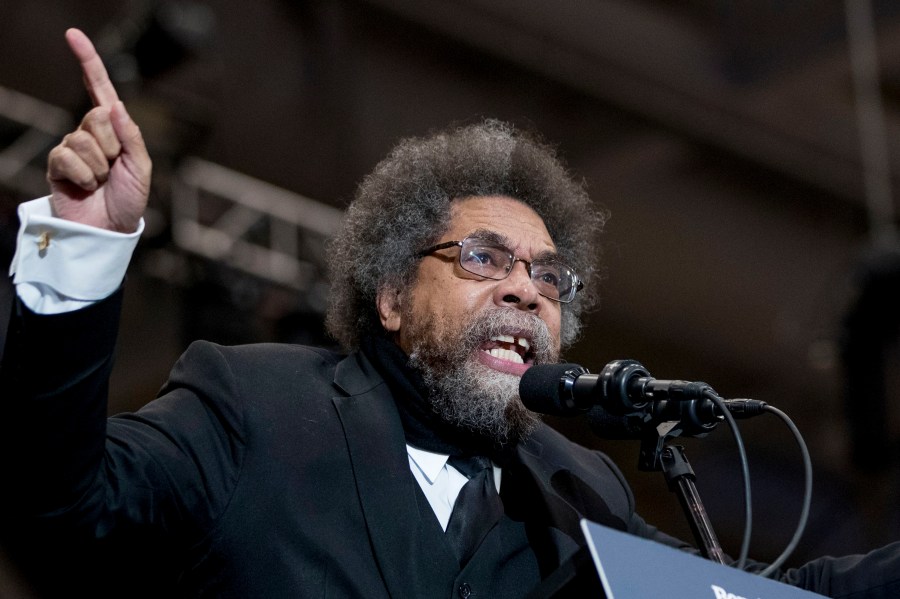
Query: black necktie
pixel 478 506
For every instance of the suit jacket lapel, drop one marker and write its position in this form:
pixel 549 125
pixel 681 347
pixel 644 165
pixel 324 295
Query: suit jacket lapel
pixel 399 533
pixel 550 524
pixel 552 499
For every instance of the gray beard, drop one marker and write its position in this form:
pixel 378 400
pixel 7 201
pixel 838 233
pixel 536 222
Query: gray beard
pixel 469 395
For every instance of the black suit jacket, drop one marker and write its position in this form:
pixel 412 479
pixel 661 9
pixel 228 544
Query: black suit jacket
pixel 272 471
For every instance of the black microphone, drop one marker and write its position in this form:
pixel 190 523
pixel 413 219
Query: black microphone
pixel 622 387
pixel 624 400
pixel 548 389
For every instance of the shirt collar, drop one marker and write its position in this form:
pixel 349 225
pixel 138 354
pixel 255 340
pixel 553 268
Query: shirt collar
pixel 430 464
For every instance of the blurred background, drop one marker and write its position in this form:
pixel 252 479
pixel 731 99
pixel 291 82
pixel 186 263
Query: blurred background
pixel 746 149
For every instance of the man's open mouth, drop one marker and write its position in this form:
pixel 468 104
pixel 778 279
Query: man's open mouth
pixel 511 348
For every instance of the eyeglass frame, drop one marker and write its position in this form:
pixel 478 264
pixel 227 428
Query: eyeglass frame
pixel 578 286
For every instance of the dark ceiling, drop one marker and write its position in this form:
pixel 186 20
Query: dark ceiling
pixel 752 230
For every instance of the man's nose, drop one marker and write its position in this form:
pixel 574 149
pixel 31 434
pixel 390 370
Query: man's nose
pixel 517 290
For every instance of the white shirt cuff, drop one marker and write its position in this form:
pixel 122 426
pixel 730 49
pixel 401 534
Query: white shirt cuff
pixel 60 265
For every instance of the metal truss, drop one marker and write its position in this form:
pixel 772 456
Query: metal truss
pixel 29 129
pixel 247 224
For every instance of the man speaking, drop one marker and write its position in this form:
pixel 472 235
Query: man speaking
pixel 405 467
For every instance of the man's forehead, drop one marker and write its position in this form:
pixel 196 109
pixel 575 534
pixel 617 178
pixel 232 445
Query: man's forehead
pixel 500 239
pixel 502 219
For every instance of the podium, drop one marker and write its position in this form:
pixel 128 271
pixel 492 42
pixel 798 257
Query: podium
pixel 623 566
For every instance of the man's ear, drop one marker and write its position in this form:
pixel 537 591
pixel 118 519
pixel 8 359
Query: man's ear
pixel 388 303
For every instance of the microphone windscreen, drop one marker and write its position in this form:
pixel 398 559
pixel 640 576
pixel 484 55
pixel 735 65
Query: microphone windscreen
pixel 539 389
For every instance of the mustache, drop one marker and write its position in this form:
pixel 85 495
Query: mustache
pixel 509 321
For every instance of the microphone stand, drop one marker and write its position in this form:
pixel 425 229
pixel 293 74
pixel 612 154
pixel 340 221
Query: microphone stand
pixel 656 455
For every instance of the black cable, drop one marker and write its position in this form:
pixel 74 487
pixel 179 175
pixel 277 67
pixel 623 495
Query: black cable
pixel 745 471
pixel 807 492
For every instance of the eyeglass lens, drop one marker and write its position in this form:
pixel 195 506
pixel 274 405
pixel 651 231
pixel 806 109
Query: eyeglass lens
pixel 552 279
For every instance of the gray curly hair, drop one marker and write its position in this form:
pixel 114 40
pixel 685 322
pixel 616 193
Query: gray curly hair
pixel 404 206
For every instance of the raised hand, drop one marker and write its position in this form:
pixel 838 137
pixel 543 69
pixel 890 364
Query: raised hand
pixel 100 173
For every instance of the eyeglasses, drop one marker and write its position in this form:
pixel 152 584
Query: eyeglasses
pixel 553 279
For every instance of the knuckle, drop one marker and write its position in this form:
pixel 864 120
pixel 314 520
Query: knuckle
pixel 59 158
pixel 65 165
pixel 95 116
pixel 55 153
pixel 76 140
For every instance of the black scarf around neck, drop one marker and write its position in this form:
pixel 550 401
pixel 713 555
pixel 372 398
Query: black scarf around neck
pixel 422 427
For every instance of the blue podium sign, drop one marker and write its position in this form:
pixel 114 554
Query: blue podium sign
pixel 633 568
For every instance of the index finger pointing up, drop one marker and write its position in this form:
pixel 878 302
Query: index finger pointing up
pixel 96 79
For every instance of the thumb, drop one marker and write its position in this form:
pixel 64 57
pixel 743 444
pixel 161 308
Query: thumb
pixel 134 150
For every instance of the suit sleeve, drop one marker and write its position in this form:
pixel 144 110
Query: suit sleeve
pixel 54 383
pixel 154 480
pixel 875 575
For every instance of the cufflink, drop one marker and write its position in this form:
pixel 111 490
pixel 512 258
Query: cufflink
pixel 43 241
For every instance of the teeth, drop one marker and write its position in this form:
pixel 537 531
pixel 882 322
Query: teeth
pixel 505 354
pixel 521 341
